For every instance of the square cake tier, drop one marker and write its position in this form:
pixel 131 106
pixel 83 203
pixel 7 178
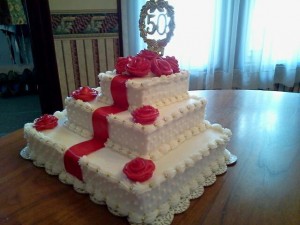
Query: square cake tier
pixel 175 124
pixel 150 90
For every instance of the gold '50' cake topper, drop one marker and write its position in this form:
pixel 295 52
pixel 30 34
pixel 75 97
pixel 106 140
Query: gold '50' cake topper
pixel 156 24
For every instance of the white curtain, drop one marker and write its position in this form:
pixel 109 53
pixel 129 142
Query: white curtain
pixel 245 44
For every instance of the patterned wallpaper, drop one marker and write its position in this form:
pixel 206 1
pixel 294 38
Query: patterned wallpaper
pixel 86 43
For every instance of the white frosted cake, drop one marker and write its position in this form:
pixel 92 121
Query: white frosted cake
pixel 139 143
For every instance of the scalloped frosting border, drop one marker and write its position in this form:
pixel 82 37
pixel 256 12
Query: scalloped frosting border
pixel 178 202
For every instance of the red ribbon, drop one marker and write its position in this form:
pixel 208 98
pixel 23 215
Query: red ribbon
pixel 100 127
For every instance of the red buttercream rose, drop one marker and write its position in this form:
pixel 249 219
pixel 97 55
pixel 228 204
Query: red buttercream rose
pixel 138 66
pixel 45 122
pixel 160 67
pixel 121 64
pixel 150 55
pixel 139 169
pixel 173 63
pixel 85 94
pixel 145 115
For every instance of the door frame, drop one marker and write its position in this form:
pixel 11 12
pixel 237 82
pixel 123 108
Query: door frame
pixel 43 52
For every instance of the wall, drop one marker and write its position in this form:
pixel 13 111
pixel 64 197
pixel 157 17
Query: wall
pixel 86 41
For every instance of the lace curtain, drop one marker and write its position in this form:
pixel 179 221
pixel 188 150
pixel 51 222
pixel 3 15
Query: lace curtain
pixel 244 44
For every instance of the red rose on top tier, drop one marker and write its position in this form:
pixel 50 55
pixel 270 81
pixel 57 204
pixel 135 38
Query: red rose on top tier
pixel 139 169
pixel 138 66
pixel 160 67
pixel 145 114
pixel 121 64
pixel 45 122
pixel 173 63
pixel 85 94
pixel 150 55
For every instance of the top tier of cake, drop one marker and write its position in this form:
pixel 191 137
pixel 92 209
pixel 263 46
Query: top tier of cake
pixel 150 90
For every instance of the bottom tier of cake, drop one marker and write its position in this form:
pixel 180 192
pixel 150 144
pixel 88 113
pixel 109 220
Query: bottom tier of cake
pixel 179 176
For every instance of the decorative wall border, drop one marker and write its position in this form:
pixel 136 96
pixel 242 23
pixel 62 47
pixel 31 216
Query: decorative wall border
pixel 84 23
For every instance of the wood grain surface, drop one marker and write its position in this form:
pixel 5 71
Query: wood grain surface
pixel 263 187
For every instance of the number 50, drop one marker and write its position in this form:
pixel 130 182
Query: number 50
pixel 160 25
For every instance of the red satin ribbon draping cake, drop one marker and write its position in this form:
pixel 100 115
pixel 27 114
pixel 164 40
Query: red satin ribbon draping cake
pixel 100 127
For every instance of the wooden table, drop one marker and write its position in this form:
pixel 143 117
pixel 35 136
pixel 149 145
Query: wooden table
pixel 262 188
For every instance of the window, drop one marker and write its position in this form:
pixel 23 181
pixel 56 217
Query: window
pixel 234 44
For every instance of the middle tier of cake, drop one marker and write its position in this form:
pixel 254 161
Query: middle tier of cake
pixel 175 124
